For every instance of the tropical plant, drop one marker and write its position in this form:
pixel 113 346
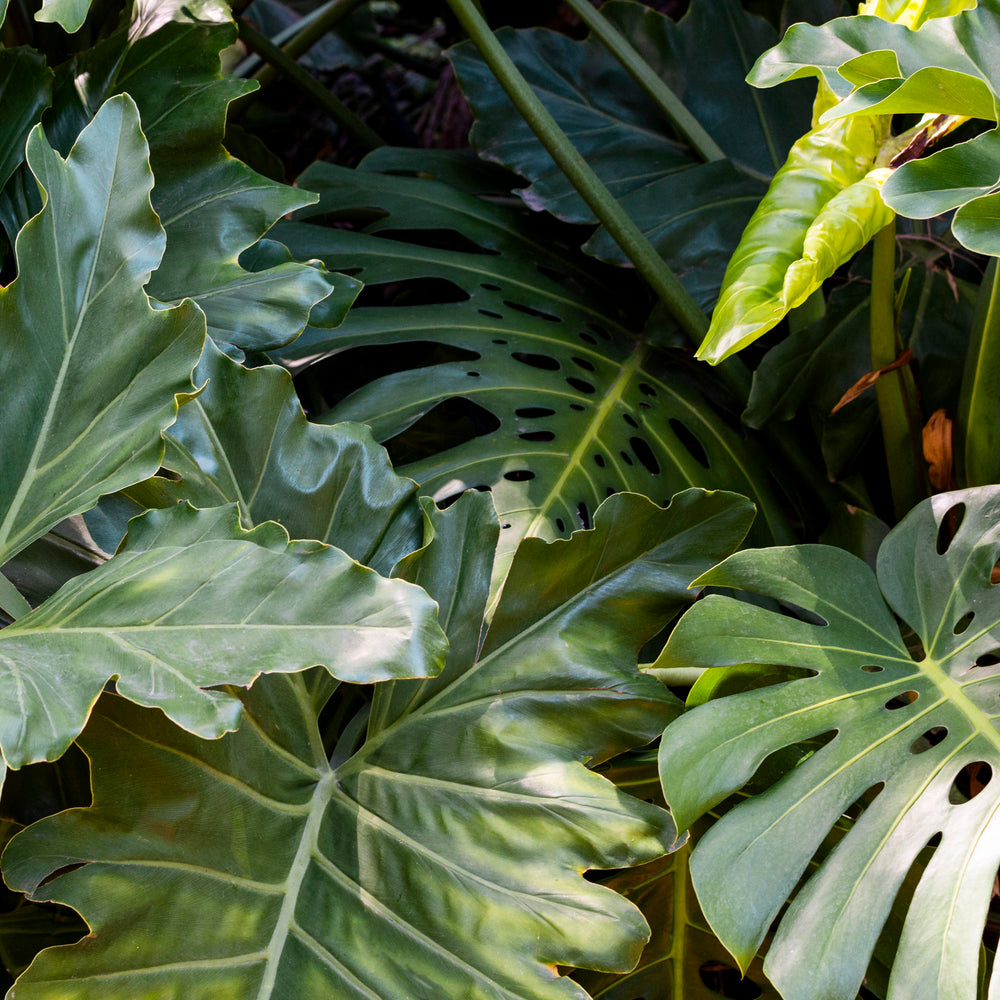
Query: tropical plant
pixel 345 526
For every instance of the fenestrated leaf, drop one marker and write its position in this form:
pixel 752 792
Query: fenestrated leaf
pixel 584 408
pixel 90 369
pixel 330 483
pixel 303 872
pixel 192 601
pixel 212 206
pixel 903 727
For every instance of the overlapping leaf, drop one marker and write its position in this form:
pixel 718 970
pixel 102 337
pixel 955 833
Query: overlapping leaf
pixel 693 212
pixel 422 847
pixel 194 601
pixel 212 206
pixel 911 737
pixel 945 67
pixel 583 408
pixel 91 370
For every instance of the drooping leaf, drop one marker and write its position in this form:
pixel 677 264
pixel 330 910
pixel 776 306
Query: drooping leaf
pixel 822 207
pixel 91 370
pixel 330 483
pixel 25 91
pixel 192 601
pixel 911 740
pixel 303 872
pixel 535 339
pixel 212 206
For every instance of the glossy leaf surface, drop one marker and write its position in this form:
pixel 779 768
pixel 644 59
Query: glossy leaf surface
pixel 534 338
pixel 430 828
pixel 194 601
pixel 902 729
pixel 334 484
pixel 212 206
pixel 91 369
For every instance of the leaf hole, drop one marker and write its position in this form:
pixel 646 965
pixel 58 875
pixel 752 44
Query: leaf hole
pixel 691 443
pixel 969 782
pixel 519 475
pixel 504 526
pixel 801 614
pixel 581 385
pixel 599 461
pixel 726 981
pixel 646 389
pixel 411 292
pixel 630 420
pixel 542 361
pixel 584 514
pixel 532 311
pixel 490 287
pixel 561 524
pixel 931 738
pixel 583 363
pixel 599 330
pixel 449 424
pixel 537 436
pixel 610 491
pixel 499 341
pixel 645 455
pixel 492 315
pixel 990 659
pixel 473 374
pixel 626 458
pixel 902 700
pixel 533 412
pixel 857 808
pixel 577 406
pixel 964 622
pixel 948 528
pixel 587 338
pixel 645 406
pixel 872 668
pixel 446 501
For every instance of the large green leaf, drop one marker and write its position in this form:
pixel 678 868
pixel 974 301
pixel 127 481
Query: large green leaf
pixel 303 872
pixel 584 408
pixel 192 601
pixel 904 724
pixel 91 369
pixel 330 483
pixel 213 207
pixel 25 90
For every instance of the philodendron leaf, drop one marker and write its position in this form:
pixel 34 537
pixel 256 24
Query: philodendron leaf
pixel 911 740
pixel 334 484
pixel 302 872
pixel 213 207
pixel 822 207
pixel 529 333
pixel 90 368
pixel 25 91
pixel 193 601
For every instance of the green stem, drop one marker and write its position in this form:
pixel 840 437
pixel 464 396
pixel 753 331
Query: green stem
pixel 591 189
pixel 977 430
pixel 896 405
pixel 685 123
pixel 11 600
pixel 302 79
pixel 304 34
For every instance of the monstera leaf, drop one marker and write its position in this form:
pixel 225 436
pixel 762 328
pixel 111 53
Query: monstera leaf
pixel 533 338
pixel 91 369
pixel 908 723
pixel 303 869
pixel 212 206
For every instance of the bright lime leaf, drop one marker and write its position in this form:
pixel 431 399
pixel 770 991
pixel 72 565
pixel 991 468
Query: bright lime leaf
pixel 913 737
pixel 797 237
pixel 212 206
pixel 193 601
pixel 90 369
pixel 303 872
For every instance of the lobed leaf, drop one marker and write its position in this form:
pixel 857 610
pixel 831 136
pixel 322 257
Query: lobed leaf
pixel 304 870
pixel 91 368
pixel 899 731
